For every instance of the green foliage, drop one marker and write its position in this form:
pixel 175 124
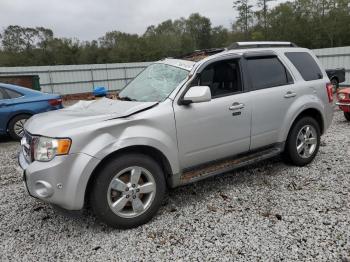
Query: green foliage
pixel 245 16
pixel 308 23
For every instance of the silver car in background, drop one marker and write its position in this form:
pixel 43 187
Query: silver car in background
pixel 176 123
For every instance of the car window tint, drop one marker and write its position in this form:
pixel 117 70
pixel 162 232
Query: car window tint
pixel 267 72
pixel 222 77
pixel 12 94
pixel 306 65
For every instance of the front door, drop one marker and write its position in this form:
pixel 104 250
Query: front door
pixel 219 128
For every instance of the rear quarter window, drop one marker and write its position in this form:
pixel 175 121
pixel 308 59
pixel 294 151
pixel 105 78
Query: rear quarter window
pixel 2 94
pixel 305 64
pixel 12 94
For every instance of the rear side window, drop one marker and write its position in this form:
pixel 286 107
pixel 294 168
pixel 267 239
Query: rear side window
pixel 306 65
pixel 12 94
pixel 2 94
pixel 266 72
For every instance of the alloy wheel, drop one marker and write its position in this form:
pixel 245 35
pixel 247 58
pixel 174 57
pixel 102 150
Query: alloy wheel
pixel 131 192
pixel 306 141
pixel 19 127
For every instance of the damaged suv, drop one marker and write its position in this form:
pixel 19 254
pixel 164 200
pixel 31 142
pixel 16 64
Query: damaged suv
pixel 176 123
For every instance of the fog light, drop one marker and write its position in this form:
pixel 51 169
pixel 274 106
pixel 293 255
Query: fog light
pixel 43 189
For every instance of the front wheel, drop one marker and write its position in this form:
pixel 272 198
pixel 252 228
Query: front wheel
pixel 347 115
pixel 128 191
pixel 303 141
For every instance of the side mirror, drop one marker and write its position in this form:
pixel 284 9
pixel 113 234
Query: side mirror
pixel 197 94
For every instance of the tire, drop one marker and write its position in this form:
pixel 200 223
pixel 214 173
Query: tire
pixel 105 194
pixel 304 128
pixel 347 115
pixel 16 126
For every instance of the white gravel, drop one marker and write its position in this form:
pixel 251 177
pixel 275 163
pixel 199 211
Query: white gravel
pixel 267 212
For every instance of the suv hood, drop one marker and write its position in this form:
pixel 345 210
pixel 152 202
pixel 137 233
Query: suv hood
pixel 55 123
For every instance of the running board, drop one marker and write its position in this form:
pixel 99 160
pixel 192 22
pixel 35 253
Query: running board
pixel 223 166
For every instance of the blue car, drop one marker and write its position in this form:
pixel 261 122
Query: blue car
pixel 17 104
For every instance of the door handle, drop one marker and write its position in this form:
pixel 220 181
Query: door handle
pixel 3 105
pixel 236 106
pixel 290 94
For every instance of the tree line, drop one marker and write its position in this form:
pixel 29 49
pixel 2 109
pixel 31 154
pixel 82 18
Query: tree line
pixel 308 23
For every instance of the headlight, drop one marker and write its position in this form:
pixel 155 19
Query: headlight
pixel 45 148
pixel 341 96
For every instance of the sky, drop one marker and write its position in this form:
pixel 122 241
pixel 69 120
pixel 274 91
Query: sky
pixel 90 19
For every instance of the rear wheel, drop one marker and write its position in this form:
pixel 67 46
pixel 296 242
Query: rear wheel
pixel 16 126
pixel 303 141
pixel 347 115
pixel 128 191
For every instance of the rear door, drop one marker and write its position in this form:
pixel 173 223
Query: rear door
pixel 272 90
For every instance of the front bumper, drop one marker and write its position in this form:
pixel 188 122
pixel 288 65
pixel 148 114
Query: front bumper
pixel 344 106
pixel 62 181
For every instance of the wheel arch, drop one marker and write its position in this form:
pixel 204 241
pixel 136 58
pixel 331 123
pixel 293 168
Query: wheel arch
pixel 150 151
pixel 310 112
pixel 15 115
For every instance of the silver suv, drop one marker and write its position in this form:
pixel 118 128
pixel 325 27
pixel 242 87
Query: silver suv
pixel 176 123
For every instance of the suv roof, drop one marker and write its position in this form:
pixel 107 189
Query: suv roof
pixel 199 55
pixel 199 58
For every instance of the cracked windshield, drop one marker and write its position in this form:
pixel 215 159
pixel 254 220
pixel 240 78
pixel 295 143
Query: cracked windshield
pixel 154 84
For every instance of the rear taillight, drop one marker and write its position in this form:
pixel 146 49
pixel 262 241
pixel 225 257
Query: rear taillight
pixel 55 102
pixel 329 88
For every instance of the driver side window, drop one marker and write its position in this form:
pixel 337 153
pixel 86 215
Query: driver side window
pixel 223 78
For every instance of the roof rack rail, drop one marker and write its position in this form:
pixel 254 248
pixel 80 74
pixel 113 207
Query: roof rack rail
pixel 198 55
pixel 260 44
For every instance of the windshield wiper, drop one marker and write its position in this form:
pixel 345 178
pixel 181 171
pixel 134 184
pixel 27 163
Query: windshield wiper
pixel 126 98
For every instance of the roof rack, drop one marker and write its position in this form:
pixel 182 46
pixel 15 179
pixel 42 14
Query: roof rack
pixel 259 44
pixel 198 55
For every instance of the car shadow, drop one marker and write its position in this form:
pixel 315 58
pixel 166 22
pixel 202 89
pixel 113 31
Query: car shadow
pixel 259 172
pixel 5 139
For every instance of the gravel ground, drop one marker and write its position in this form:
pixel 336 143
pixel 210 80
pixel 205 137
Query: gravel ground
pixel 267 212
